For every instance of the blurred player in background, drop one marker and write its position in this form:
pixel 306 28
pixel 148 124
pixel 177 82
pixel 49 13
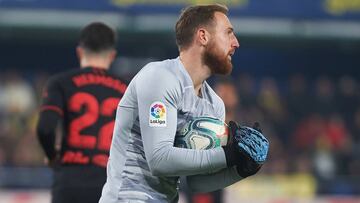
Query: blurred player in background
pixel 144 165
pixel 84 101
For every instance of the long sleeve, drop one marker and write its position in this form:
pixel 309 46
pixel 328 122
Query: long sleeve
pixel 213 181
pixel 46 132
pixel 51 112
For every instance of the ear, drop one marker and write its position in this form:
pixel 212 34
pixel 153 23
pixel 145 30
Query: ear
pixel 203 36
pixel 79 52
pixel 112 55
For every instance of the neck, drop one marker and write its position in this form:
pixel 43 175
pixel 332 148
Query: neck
pixel 97 62
pixel 198 71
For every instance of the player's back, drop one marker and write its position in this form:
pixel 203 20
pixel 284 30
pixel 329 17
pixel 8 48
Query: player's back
pixel 87 98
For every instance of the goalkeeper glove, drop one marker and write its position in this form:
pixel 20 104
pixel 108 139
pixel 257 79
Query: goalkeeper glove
pixel 247 149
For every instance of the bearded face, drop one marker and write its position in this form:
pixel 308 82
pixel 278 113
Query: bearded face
pixel 218 61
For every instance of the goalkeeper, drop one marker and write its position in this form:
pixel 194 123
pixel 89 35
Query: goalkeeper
pixel 144 165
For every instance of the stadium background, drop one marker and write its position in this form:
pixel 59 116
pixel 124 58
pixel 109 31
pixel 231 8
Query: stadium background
pixel 297 72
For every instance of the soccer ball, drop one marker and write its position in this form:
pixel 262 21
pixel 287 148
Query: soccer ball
pixel 202 133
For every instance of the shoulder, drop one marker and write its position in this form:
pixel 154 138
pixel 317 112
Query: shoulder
pixel 116 78
pixel 158 78
pixel 61 80
pixel 159 72
pixel 60 77
pixel 161 68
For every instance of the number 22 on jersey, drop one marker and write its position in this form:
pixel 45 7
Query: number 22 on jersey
pixel 100 142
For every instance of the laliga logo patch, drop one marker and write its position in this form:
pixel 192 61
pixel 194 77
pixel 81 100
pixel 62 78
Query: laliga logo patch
pixel 157 116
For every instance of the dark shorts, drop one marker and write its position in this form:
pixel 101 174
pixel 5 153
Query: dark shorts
pixel 75 184
pixel 76 195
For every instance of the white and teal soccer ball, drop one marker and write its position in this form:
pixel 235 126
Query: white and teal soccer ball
pixel 202 133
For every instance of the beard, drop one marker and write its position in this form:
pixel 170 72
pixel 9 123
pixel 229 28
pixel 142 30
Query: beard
pixel 217 62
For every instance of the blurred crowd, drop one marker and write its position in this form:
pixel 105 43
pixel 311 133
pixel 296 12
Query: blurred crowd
pixel 19 101
pixel 313 123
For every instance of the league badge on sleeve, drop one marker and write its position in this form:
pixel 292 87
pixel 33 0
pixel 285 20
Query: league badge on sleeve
pixel 157 117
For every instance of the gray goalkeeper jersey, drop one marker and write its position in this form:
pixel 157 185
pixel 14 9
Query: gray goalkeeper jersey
pixel 144 166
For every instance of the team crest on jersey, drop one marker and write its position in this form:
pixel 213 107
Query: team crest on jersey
pixel 157 117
